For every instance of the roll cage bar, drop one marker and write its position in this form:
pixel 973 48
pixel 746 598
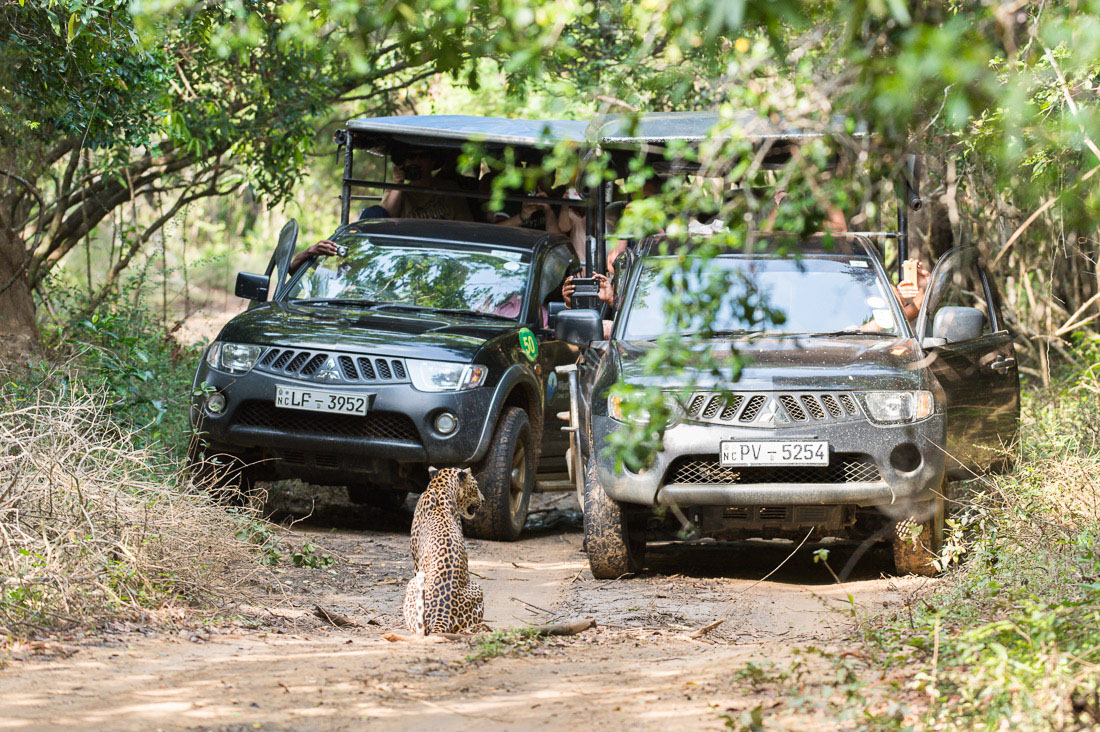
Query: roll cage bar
pixel 622 136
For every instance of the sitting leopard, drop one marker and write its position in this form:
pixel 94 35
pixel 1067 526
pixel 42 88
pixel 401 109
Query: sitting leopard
pixel 441 598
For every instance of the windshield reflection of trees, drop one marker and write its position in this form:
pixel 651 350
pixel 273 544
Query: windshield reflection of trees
pixel 773 296
pixel 435 278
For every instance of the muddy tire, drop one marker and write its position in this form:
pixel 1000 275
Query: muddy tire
pixel 365 494
pixel 918 556
pixel 506 479
pixel 612 551
pixel 225 477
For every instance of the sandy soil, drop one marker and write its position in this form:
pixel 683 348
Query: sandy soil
pixel 638 668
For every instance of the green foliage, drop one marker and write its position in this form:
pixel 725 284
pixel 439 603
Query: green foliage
pixel 502 643
pixel 311 556
pixel 1013 638
pixel 121 350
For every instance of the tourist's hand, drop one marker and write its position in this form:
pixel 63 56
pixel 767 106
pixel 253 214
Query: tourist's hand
pixel 322 248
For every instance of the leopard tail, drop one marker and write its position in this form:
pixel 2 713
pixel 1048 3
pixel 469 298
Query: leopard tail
pixel 421 628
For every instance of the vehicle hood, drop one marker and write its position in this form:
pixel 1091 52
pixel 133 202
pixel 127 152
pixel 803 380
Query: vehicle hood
pixel 427 335
pixel 793 363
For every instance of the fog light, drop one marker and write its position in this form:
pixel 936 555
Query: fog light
pixel 446 423
pixel 905 458
pixel 215 403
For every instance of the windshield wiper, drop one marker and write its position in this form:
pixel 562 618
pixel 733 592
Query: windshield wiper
pixel 353 302
pixel 834 333
pixel 737 332
pixel 449 311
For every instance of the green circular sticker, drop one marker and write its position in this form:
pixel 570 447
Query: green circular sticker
pixel 528 344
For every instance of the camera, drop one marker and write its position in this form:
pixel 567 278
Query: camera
pixel 341 250
pixel 585 287
pixel 413 172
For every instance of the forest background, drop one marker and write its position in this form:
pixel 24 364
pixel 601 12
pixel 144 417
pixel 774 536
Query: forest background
pixel 151 149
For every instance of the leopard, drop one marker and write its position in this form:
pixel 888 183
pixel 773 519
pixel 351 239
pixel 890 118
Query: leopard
pixel 440 598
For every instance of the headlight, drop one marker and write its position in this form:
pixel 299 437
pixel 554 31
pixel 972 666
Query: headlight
pixel 894 407
pixel 445 376
pixel 236 358
pixel 641 416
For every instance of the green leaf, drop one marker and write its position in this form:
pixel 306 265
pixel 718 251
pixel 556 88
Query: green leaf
pixel 72 27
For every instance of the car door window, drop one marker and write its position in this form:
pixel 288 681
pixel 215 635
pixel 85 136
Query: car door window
pixel 957 282
pixel 558 262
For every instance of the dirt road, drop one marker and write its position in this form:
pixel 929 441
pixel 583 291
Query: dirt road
pixel 640 668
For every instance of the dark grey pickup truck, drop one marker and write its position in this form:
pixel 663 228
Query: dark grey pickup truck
pixel 846 420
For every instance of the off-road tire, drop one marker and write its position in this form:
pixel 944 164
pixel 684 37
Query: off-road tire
pixel 612 550
pixel 506 479
pixel 365 494
pixel 225 477
pixel 918 557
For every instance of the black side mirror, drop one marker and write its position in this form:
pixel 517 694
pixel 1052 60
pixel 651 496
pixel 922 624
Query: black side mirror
pixel 579 327
pixel 252 286
pixel 954 324
pixel 553 309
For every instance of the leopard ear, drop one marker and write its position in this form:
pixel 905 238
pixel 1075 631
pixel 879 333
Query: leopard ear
pixel 431 472
pixel 465 473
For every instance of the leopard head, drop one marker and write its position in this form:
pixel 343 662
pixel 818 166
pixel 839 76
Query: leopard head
pixel 467 495
pixel 462 487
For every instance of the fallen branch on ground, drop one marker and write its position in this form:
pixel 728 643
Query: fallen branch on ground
pixel 705 629
pixel 335 618
pixel 571 627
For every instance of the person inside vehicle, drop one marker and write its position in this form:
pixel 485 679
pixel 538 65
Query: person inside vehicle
pixel 532 214
pixel 415 168
pixel 909 294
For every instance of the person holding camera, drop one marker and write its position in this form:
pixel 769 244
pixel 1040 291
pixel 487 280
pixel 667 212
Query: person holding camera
pixel 416 168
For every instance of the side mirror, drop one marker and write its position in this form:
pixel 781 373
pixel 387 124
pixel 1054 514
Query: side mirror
pixel 553 309
pixel 252 286
pixel 579 327
pixel 954 324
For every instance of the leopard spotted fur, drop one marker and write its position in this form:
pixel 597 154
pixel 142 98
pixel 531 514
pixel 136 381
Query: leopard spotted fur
pixel 440 598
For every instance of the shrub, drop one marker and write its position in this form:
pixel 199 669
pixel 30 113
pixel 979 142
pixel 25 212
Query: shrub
pixel 94 525
pixel 1013 638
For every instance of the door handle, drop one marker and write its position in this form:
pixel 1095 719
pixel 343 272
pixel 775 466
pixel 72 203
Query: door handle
pixel 1003 364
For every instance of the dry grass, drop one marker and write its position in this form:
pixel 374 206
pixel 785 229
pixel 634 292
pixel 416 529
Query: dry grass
pixel 92 527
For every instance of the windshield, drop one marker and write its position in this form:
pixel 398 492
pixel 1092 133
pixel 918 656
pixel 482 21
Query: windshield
pixel 422 274
pixel 833 294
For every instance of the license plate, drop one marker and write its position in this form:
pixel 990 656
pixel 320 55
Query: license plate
pixel 318 400
pixel 770 452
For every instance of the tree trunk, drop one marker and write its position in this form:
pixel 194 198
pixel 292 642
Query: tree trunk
pixel 18 329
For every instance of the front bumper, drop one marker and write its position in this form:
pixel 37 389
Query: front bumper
pixel 397 429
pixel 865 443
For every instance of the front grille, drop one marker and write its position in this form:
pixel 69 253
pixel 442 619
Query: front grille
pixel 333 367
pixel 769 409
pixel 706 470
pixel 376 425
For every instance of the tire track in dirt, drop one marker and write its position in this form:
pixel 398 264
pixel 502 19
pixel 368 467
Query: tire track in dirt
pixel 639 668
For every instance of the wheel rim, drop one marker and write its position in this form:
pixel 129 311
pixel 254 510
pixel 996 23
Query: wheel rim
pixel 518 479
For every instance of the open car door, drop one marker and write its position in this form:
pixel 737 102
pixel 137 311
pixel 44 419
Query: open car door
pixel 974 360
pixel 281 257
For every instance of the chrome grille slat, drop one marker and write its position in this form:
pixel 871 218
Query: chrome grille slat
pixel 308 364
pixel 731 407
pixel 831 404
pixel 793 410
pixel 753 408
pixel 813 407
pixel 770 409
pixel 348 367
pixel 715 404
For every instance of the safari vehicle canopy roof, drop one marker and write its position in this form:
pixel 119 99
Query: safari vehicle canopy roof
pixel 455 130
pixel 620 134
